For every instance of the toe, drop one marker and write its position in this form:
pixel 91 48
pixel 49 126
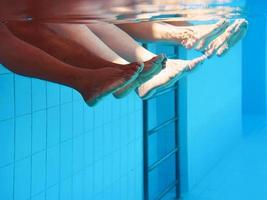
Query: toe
pixel 136 67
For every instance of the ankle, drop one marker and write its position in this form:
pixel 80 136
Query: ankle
pixel 81 78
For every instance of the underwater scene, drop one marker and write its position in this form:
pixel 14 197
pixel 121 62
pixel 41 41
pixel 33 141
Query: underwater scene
pixel 133 100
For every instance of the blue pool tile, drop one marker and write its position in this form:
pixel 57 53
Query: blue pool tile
pixel 123 106
pixel 115 165
pixel 99 176
pixel 140 187
pixel 77 96
pixel 107 193
pixel 66 189
pixel 116 191
pixel 107 139
pixel 89 148
pixel 124 160
pixel 23 93
pixel 6 182
pixel 124 188
pixel 132 124
pixel 98 143
pixel 124 135
pixel 52 165
pixel 131 184
pixel 78 186
pixel 65 94
pixel 23 137
pixel 6 96
pixel 38 172
pixel 168 50
pixel 88 118
pixel 99 197
pixel 3 70
pixel 89 177
pixel 53 126
pixel 78 155
pixel 6 142
pixel 116 135
pixel 77 118
pixel 115 110
pixel 52 193
pixel 38 94
pixel 22 186
pixel 38 131
pixel 66 159
pixel 138 103
pixel 107 171
pixel 130 154
pixel 99 115
pixel 40 196
pixel 66 121
pixel 53 94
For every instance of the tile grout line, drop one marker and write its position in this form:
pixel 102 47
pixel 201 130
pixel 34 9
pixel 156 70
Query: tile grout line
pixel 31 142
pixel 60 146
pixel 72 144
pixel 46 142
pixel 14 129
pixel 83 168
pixel 35 111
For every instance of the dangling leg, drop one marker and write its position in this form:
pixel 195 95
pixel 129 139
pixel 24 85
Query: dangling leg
pixel 71 43
pixel 24 59
pixel 119 41
pixel 188 36
pixel 77 45
pixel 228 39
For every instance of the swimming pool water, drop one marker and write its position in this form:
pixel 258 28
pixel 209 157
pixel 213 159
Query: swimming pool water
pixel 52 146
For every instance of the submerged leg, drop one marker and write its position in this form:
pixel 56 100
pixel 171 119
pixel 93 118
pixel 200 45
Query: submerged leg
pixel 120 41
pixel 175 70
pixel 188 36
pixel 127 48
pixel 230 37
pixel 72 43
pixel 240 31
pixel 24 59
pixel 77 45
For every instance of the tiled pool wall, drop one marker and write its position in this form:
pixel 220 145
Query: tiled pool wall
pixel 210 114
pixel 53 146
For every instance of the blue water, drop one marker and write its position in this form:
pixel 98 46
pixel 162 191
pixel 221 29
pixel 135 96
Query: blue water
pixel 226 135
pixel 54 147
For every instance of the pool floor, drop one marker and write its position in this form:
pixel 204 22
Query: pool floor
pixel 242 173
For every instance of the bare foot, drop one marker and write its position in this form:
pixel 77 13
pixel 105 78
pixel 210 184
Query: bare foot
pixel 151 68
pixel 174 70
pixel 95 84
pixel 197 36
pixel 221 40
pixel 207 33
pixel 241 30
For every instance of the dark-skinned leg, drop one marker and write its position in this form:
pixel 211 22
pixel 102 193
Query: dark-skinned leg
pixel 24 59
pixel 76 44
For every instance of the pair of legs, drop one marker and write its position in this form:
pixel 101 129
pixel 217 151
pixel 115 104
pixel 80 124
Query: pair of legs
pixel 81 55
pixel 197 36
pixel 210 39
pixel 79 46
pixel 81 52
pixel 215 38
pixel 25 59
